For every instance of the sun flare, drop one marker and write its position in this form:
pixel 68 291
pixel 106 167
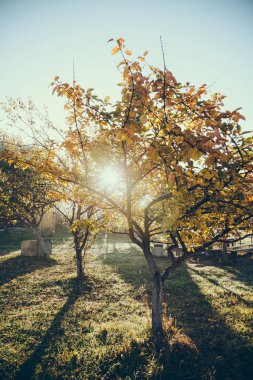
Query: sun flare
pixel 110 177
pixel 144 201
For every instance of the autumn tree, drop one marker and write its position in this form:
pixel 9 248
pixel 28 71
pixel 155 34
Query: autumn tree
pixel 84 219
pixel 24 191
pixel 65 159
pixel 84 215
pixel 186 167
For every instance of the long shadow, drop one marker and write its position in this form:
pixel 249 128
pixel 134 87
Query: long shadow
pixel 227 290
pixel 223 354
pixel 27 369
pixel 21 265
pixel 242 271
pixel 153 360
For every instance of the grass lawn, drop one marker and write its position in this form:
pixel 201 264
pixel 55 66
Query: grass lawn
pixel 51 328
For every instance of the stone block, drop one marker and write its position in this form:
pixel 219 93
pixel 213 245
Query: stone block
pixel 29 248
pixel 158 249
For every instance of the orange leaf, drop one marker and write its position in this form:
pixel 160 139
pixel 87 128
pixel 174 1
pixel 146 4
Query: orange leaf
pixel 143 119
pixel 145 53
pixel 171 177
pixel 236 117
pixel 120 41
pixel 241 116
pixel 128 52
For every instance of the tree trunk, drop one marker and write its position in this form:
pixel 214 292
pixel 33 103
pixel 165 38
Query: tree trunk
pixel 41 243
pixel 157 304
pixel 224 253
pixel 79 264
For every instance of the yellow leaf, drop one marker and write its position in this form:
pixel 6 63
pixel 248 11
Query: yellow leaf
pixel 189 173
pixel 200 181
pixel 115 50
pixel 195 154
pixel 179 139
pixel 121 63
pixel 126 138
pixel 208 175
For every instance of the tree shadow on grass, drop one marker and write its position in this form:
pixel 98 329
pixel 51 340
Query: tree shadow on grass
pixel 242 271
pixel 27 369
pixel 223 354
pixel 166 358
pixel 22 265
pixel 226 289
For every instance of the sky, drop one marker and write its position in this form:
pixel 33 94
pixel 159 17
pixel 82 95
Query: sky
pixel 205 41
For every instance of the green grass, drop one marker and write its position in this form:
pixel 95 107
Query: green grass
pixel 51 328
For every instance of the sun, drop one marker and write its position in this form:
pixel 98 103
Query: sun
pixel 110 177
pixel 144 201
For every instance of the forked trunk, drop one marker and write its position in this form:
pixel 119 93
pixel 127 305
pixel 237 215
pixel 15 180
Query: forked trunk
pixel 79 264
pixel 157 304
pixel 42 249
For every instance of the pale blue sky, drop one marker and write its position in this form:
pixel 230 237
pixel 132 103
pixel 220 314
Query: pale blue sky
pixel 205 41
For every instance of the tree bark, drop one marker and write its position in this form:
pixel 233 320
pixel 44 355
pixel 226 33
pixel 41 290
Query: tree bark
pixel 224 252
pixel 157 304
pixel 41 243
pixel 79 265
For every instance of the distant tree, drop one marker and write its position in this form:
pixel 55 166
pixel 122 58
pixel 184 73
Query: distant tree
pixel 24 192
pixel 64 160
pixel 84 219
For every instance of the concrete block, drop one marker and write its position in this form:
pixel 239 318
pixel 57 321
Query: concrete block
pixel 29 248
pixel 158 249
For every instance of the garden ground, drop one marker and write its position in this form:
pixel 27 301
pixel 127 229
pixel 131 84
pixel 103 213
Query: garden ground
pixel 51 328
